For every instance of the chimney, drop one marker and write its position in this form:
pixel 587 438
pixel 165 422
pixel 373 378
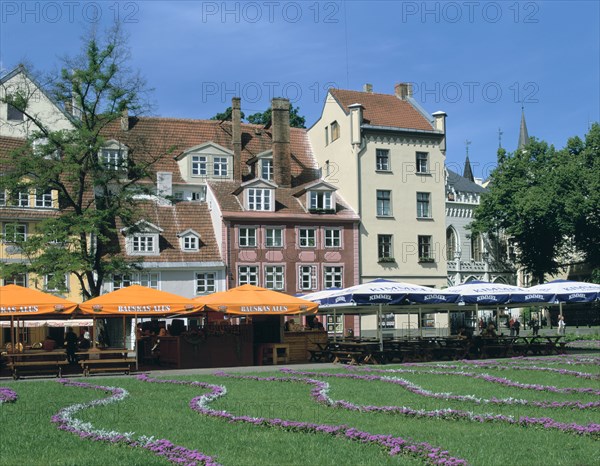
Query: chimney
pixel 439 123
pixel 164 187
pixel 403 90
pixel 125 120
pixel 236 137
pixel 368 88
pixel 280 119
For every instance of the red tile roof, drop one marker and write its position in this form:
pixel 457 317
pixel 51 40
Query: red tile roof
pixel 163 139
pixel 383 109
pixel 173 220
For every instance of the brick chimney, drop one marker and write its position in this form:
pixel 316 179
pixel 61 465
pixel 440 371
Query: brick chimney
pixel 280 119
pixel 368 87
pixel 125 120
pixel 403 90
pixel 236 137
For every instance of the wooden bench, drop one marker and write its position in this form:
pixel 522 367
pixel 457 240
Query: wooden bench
pixel 36 367
pixel 318 355
pixel 351 357
pixel 106 365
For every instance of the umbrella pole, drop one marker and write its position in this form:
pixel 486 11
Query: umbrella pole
pixel 135 346
pixel 124 333
pixel 12 334
pixel 419 324
pixel 477 317
pixel 409 324
pixel 498 318
pixel 334 325
pixel 560 309
pixel 380 331
pixel 95 332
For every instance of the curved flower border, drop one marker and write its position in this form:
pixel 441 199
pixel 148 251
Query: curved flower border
pixel 7 395
pixel 65 420
pixel 395 445
pixel 321 395
pixel 506 382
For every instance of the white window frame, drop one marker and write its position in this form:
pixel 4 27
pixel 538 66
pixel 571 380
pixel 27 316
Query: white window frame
pixel 220 167
pixel 144 243
pixel 113 158
pixel 424 244
pixel 422 162
pixel 306 236
pixel 205 282
pixel 333 237
pixel 382 160
pixel 47 279
pixel 307 277
pixel 385 249
pixel 199 164
pixel 3 197
pixel 320 200
pixel 423 205
pixel 274 277
pixel 247 274
pixel 43 200
pixel 147 279
pixel 333 275
pixel 23 199
pixel 273 237
pixel 190 243
pixel 259 199
pixel 19 279
pixel 266 169
pixel 16 236
pixel 384 205
pixel 335 131
pixel 247 240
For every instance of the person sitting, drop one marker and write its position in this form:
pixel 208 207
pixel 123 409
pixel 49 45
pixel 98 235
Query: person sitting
pixel 317 325
pixel 490 332
pixel 83 343
pixel 163 332
pixel 289 325
pixel 49 344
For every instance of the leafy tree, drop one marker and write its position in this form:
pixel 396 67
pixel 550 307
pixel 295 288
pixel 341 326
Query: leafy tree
pixel 296 120
pixel 226 115
pixel 97 194
pixel 548 203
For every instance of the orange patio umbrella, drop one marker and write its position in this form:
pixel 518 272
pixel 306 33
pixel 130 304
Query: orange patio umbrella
pixel 18 301
pixel 253 300
pixel 139 300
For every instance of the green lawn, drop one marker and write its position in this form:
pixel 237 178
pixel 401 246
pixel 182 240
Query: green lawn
pixel 27 435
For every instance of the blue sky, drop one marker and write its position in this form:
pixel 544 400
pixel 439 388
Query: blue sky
pixel 477 61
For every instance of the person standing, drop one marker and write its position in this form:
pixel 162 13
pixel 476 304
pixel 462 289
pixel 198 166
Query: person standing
pixel 71 345
pixel 511 326
pixel 561 325
pixel 517 326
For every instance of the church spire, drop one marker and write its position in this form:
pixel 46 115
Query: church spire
pixel 523 136
pixel 468 172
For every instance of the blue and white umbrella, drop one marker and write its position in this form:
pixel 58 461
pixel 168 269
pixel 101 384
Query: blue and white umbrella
pixel 485 293
pixel 320 297
pixel 567 291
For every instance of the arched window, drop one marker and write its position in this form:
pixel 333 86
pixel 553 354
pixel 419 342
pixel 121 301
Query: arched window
pixel 476 248
pixel 451 243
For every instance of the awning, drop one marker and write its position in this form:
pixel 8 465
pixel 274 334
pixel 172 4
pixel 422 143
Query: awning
pixel 139 300
pixel 253 300
pixel 17 301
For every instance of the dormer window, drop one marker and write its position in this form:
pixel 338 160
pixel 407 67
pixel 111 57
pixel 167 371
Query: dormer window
pixel 198 165
pixel 266 169
pixel 43 199
pixel 260 199
pixel 114 156
pixel 220 167
pixel 144 241
pixel 189 241
pixel 320 200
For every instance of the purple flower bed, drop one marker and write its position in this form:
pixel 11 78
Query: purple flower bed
pixel 395 445
pixel 65 420
pixel 7 395
pixel 320 394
